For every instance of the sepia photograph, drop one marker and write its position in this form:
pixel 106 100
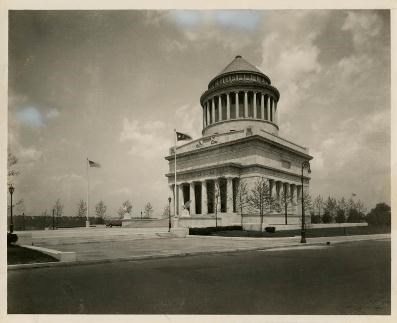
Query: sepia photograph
pixel 198 162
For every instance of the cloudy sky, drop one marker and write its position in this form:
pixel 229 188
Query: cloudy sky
pixel 112 85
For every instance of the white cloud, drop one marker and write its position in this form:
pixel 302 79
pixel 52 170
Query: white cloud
pixel 363 25
pixel 147 139
pixel 30 116
pixel 189 120
pixel 52 113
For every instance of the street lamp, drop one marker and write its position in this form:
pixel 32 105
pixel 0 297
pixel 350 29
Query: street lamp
pixel 306 165
pixel 169 214
pixel 11 190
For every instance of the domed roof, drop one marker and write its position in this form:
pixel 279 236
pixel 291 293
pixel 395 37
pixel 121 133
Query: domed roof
pixel 239 64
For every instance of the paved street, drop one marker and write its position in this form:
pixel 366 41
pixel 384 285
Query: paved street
pixel 345 278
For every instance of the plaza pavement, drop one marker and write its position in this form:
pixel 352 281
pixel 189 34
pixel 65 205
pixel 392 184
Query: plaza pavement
pixel 117 247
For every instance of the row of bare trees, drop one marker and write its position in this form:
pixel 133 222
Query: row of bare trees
pixel 259 200
pixel 337 210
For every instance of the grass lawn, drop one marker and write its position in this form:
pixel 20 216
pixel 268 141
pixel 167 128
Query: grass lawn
pixel 310 233
pixel 19 255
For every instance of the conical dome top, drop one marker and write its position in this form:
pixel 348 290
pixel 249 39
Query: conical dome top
pixel 239 64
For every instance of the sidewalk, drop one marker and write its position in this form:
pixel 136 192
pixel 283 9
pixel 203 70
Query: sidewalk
pixel 193 245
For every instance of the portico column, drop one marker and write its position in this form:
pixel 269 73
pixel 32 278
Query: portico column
pixel 255 114
pixel 217 190
pixel 229 195
pixel 213 110
pixel 299 199
pixel 192 199
pixel 293 198
pixel 227 106
pixel 180 199
pixel 268 108
pixel 237 107
pixel 272 185
pixel 245 104
pixel 280 193
pixel 172 206
pixel 204 206
pixel 263 107
pixel 287 191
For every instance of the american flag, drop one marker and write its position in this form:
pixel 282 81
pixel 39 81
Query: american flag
pixel 182 136
pixel 93 164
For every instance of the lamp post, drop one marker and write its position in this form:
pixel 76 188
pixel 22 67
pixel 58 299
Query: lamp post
pixel 169 214
pixel 11 190
pixel 306 165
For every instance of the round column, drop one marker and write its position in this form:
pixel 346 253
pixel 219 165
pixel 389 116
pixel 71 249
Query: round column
pixel 192 199
pixel 227 106
pixel 245 104
pixel 219 108
pixel 237 106
pixel 229 195
pixel 204 205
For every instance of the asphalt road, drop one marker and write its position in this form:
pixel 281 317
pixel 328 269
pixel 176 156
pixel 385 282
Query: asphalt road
pixel 348 278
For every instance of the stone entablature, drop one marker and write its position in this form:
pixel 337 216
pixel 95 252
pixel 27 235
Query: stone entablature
pixel 217 139
pixel 245 152
pixel 231 78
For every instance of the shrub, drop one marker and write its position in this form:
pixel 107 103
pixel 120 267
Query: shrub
pixel 326 218
pixel 380 215
pixel 315 218
pixel 355 216
pixel 11 238
pixel 340 216
pixel 209 230
pixel 270 229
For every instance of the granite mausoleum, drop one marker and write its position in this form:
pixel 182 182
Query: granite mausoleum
pixel 239 142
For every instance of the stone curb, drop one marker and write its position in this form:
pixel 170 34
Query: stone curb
pixel 184 254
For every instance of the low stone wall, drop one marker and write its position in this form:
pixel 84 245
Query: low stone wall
pixel 336 225
pixel 283 227
pixel 198 222
pixel 145 223
pixel 203 221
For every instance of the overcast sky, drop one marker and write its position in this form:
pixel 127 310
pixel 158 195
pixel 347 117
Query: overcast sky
pixel 112 85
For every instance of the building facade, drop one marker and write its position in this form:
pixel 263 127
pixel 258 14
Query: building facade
pixel 239 143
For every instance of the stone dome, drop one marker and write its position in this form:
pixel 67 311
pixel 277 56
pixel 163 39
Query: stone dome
pixel 240 96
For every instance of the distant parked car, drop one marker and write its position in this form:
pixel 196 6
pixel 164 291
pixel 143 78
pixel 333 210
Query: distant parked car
pixel 113 223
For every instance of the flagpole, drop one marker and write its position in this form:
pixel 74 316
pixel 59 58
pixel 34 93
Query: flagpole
pixel 175 211
pixel 88 195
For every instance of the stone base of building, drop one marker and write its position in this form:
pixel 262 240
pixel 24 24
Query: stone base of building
pixel 209 220
pixel 179 232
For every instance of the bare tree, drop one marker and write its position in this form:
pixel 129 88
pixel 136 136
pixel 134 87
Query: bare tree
pixel 11 171
pixel 241 197
pixel 126 207
pixel 82 209
pixel 216 201
pixel 318 204
pixel 100 209
pixel 58 207
pixel 148 210
pixel 260 198
pixel 166 211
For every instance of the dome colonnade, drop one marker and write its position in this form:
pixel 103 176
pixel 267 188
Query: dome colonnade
pixel 241 92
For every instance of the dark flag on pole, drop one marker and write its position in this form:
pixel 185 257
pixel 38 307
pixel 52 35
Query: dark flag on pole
pixel 93 164
pixel 182 136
